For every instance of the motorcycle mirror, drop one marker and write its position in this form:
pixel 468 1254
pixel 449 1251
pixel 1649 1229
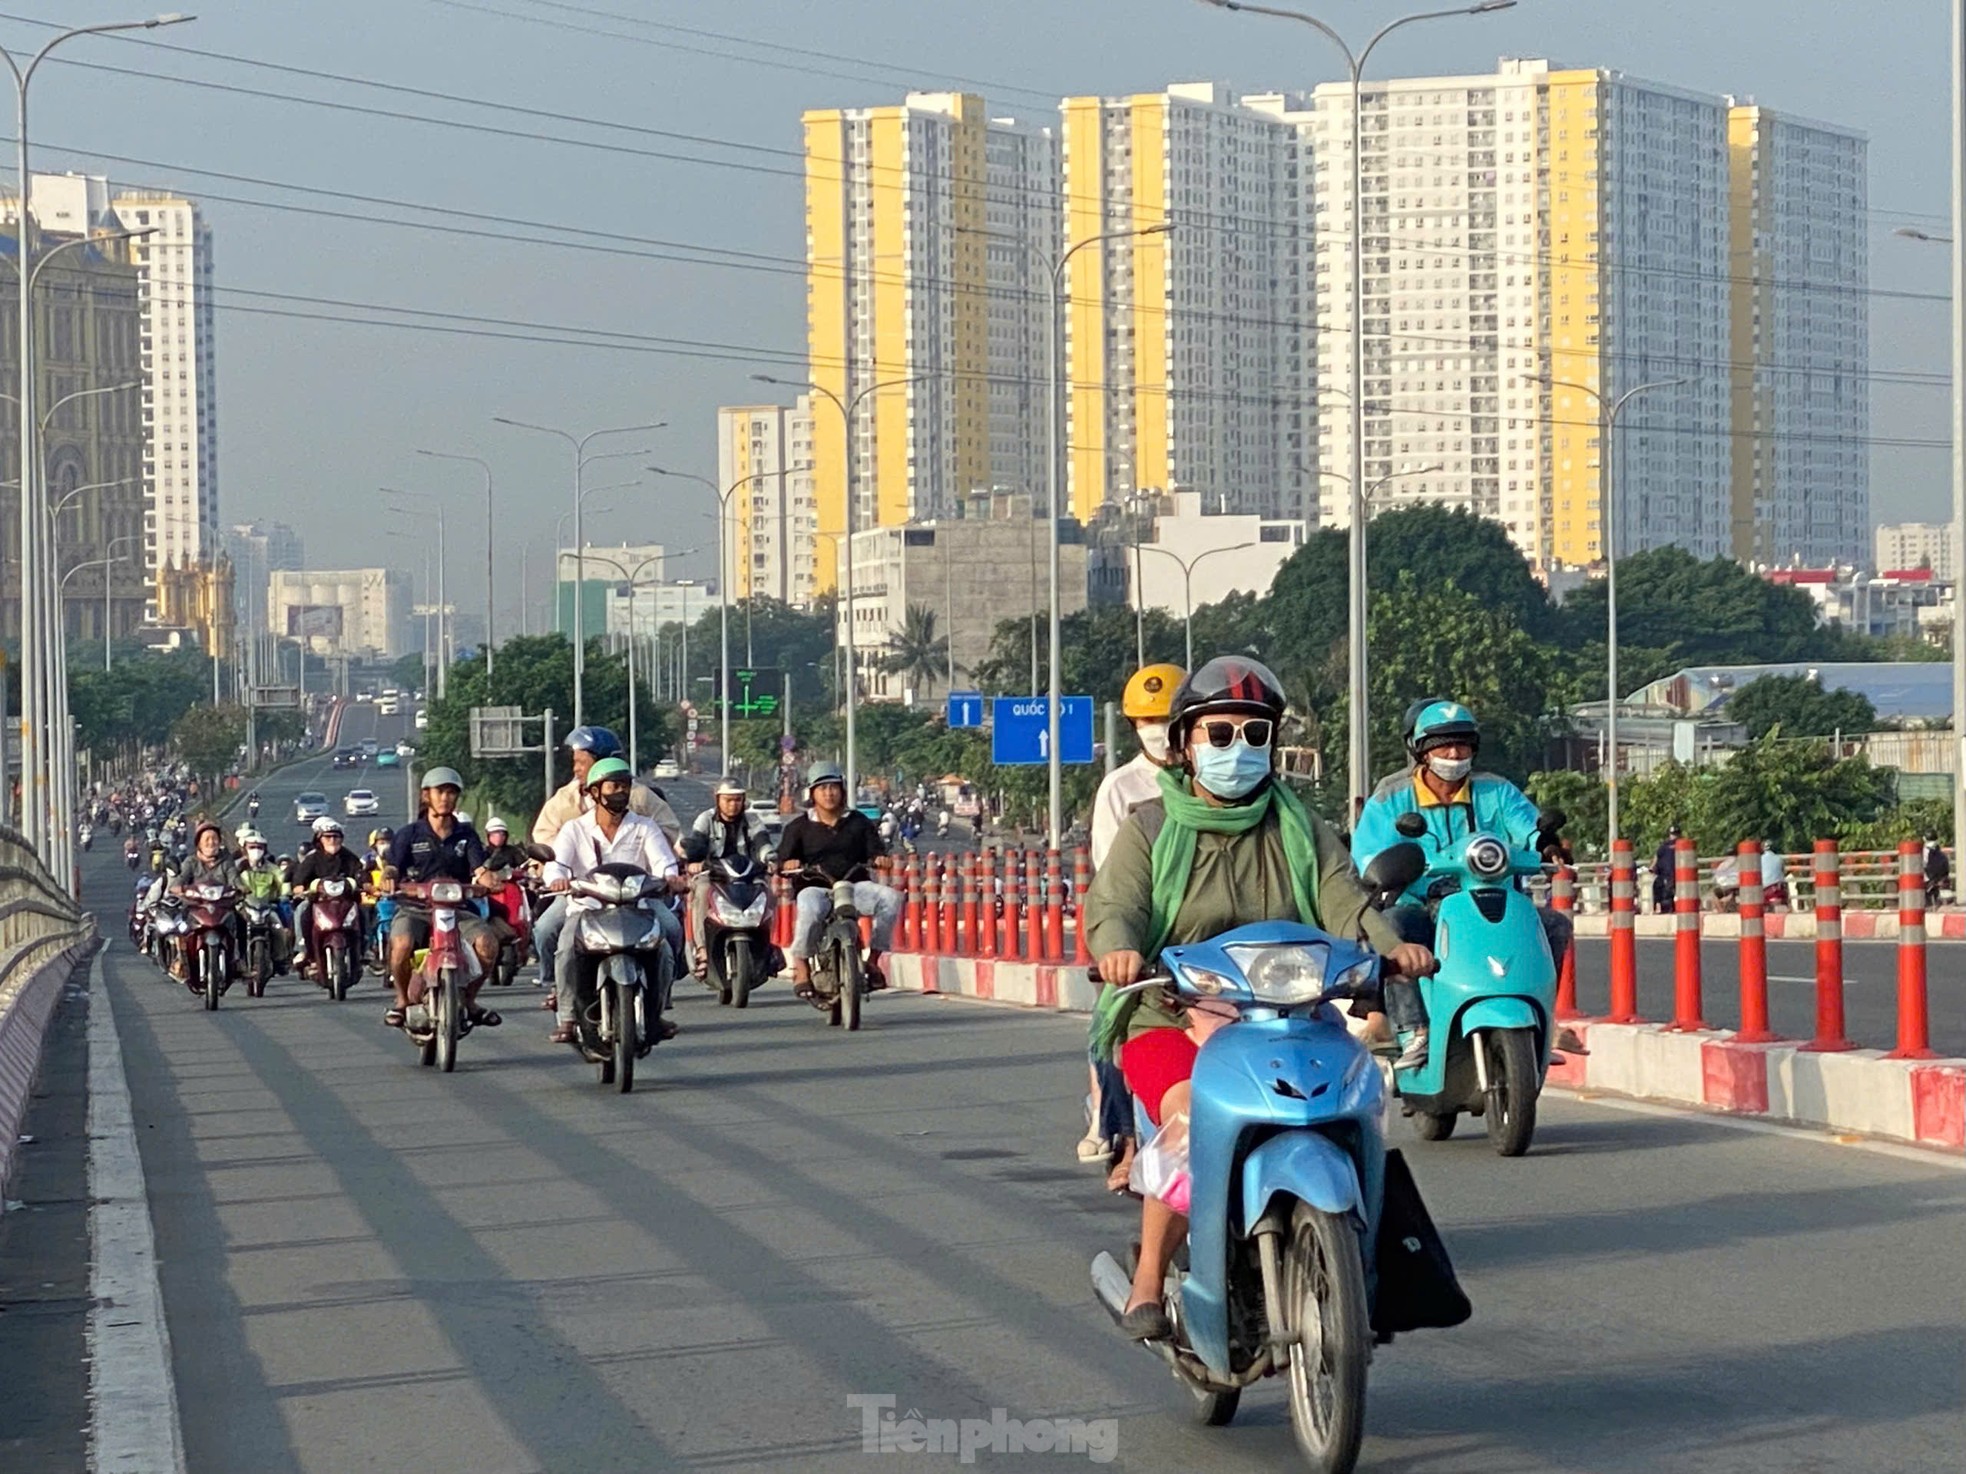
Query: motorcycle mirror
pixel 1396 867
pixel 1410 825
pixel 538 852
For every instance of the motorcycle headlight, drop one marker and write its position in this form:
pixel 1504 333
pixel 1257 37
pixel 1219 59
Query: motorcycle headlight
pixel 447 893
pixel 1488 858
pixel 726 914
pixel 1282 975
pixel 333 887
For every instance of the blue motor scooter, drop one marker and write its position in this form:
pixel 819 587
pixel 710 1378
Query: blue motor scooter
pixel 1491 1006
pixel 1287 1171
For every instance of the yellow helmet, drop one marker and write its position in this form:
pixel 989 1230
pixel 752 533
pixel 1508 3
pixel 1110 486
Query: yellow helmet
pixel 1150 692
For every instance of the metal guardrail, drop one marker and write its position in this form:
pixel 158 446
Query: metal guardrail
pixel 1869 882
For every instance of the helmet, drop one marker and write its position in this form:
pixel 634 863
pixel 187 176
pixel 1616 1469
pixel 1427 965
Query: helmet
pixel 441 778
pixel 731 786
pixel 1440 722
pixel 379 837
pixel 1411 720
pixel 249 835
pixel 327 825
pixel 823 772
pixel 496 825
pixel 607 767
pixel 1149 694
pixel 1227 684
pixel 597 740
pixel 204 824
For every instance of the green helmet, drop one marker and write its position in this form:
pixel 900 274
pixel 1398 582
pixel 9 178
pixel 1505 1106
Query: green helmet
pixel 606 768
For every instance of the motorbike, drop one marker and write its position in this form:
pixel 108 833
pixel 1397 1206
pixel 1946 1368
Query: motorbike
pixel 1296 1263
pixel 435 1020
pixel 252 807
pixel 1491 1006
pixel 511 902
pixel 334 917
pixel 208 940
pixel 612 913
pixel 131 857
pixel 736 938
pixel 839 967
pixel 87 834
pixel 263 924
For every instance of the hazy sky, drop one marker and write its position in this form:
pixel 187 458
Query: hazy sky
pixel 702 163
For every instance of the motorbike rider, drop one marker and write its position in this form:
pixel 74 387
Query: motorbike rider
pixel 437 845
pixel 1774 874
pixel 207 864
pixel 132 851
pixel 252 804
pixel 1456 801
pixel 588 745
pixel 331 860
pixel 503 857
pixel 1938 870
pixel 610 832
pixel 728 828
pixel 260 877
pixel 1665 867
pixel 1225 845
pixel 834 840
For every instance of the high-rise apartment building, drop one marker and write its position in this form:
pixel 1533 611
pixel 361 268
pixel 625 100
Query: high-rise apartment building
pixel 1906 545
pixel 1532 223
pixel 924 224
pixel 1800 345
pixel 764 459
pixel 1187 352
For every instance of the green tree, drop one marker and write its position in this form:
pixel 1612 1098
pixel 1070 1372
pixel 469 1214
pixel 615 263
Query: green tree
pixel 1798 706
pixel 207 738
pixel 916 652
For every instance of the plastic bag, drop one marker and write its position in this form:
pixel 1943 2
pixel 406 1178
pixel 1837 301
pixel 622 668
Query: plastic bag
pixel 1160 1168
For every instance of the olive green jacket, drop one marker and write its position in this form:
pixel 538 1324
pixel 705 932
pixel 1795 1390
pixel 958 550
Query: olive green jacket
pixel 1237 879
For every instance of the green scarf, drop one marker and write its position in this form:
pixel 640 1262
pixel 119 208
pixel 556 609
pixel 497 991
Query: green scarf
pixel 1189 816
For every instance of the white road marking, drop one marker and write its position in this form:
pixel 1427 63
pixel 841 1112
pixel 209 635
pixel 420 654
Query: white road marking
pixel 1794 977
pixel 1930 1156
pixel 133 1420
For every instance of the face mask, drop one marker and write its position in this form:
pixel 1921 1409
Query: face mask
pixel 615 803
pixel 1231 772
pixel 1153 740
pixel 1451 769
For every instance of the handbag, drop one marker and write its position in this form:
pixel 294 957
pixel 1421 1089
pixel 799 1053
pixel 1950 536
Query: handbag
pixel 1417 1288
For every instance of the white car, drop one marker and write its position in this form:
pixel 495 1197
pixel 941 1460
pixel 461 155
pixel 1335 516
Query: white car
pixel 405 749
pixel 310 806
pixel 668 768
pixel 360 803
pixel 422 720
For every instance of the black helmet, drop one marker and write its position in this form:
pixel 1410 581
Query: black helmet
pixel 1225 685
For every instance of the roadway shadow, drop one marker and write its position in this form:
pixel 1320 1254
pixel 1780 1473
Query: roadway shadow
pixel 1613 1132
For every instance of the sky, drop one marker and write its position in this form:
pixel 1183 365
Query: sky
pixel 654 189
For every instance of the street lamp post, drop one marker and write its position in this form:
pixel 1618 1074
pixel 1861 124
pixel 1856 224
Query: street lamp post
pixel 443 607
pixel 580 460
pixel 631 579
pixel 485 466
pixel 106 617
pixel 1608 412
pixel 849 409
pixel 1187 567
pixel 1360 761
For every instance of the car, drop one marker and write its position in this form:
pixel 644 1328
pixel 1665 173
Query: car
pixel 386 706
pixel 310 806
pixel 422 719
pixel 347 757
pixel 360 803
pixel 370 746
pixel 668 768
pixel 389 758
pixel 405 749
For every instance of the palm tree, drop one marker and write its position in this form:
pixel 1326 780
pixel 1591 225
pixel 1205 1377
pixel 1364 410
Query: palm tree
pixel 916 651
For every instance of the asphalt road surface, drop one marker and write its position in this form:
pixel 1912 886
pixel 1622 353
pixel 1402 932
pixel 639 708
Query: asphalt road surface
pixel 370 1265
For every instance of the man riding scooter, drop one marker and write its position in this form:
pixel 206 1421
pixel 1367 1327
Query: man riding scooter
pixel 833 841
pixel 437 845
pixel 1455 801
pixel 728 828
pixel 330 860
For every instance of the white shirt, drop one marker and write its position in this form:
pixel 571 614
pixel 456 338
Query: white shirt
pixel 1124 790
pixel 1771 868
pixel 580 847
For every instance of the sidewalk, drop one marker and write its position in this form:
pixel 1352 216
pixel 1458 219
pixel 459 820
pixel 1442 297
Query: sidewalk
pixel 1790 926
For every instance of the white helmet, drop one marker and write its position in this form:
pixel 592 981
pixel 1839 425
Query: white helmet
pixel 248 835
pixel 327 824
pixel 496 825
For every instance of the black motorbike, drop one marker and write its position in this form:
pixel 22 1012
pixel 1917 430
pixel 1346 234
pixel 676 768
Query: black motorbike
pixel 736 940
pixel 612 913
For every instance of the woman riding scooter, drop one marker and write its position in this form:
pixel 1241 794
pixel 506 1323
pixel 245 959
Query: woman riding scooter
pixel 1224 846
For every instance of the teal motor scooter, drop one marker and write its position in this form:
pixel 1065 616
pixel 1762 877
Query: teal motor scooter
pixel 1491 1007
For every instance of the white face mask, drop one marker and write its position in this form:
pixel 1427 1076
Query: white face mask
pixel 1153 740
pixel 1451 769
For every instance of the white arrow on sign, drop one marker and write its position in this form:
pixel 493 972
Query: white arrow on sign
pixel 1044 742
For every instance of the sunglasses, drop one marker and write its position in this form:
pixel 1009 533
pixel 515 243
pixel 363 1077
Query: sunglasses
pixel 1254 733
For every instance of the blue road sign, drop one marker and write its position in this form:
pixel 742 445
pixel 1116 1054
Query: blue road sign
pixel 1022 730
pixel 965 708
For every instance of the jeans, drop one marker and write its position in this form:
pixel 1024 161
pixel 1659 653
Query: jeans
pixel 815 904
pixel 546 929
pixel 1414 924
pixel 661 965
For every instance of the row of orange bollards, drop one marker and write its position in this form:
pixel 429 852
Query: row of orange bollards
pixel 1007 904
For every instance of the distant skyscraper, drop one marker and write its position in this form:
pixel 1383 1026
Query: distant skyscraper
pixel 1902 545
pixel 773 524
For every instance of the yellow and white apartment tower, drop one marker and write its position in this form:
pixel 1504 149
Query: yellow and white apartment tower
pixel 1566 223
pixel 1187 352
pixel 923 226
pixel 764 459
pixel 1800 348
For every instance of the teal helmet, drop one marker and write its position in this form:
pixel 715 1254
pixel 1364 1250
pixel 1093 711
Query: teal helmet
pixel 1439 721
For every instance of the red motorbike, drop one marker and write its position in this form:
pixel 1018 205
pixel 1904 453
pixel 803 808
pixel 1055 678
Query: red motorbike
pixel 334 935
pixel 512 903
pixel 208 943
pixel 435 1020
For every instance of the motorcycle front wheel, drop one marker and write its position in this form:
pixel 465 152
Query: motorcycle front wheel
pixel 740 972
pixel 259 967
pixel 1324 1289
pixel 214 976
pixel 626 1044
pixel 447 1016
pixel 338 969
pixel 853 987
pixel 1514 1081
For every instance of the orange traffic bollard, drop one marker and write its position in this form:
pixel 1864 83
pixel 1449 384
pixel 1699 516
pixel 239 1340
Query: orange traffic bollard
pixel 1829 952
pixel 1013 884
pixel 1914 1025
pixel 1687 999
pixel 1754 948
pixel 1033 906
pixel 972 864
pixel 991 888
pixel 1081 883
pixel 911 905
pixel 1624 943
pixel 931 903
pixel 1054 907
pixel 952 900
pixel 1563 898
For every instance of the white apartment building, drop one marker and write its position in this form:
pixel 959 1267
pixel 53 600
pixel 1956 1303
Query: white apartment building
pixel 1800 341
pixel 1906 545
pixel 354 611
pixel 907 287
pixel 764 462
pixel 1187 352
pixel 180 385
pixel 1531 222
pixel 1187 558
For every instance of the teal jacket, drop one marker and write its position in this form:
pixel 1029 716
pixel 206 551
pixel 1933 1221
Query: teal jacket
pixel 1486 803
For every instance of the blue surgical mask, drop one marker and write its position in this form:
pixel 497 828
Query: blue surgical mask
pixel 1231 772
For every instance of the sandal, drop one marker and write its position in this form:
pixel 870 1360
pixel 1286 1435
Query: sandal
pixel 563 1034
pixel 483 1018
pixel 395 1018
pixel 804 990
